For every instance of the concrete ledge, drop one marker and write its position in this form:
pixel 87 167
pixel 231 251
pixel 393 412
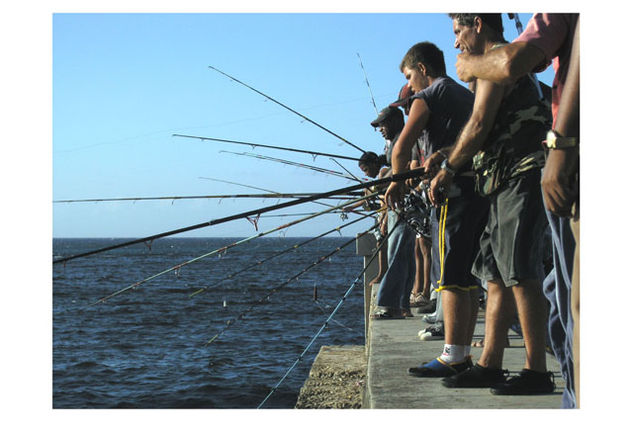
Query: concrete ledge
pixel 336 379
pixel 394 347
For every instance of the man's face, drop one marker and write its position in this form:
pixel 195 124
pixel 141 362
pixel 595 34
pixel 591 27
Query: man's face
pixel 369 169
pixel 466 38
pixel 416 80
pixel 383 128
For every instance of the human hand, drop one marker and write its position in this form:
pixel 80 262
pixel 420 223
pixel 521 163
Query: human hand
pixel 439 187
pixel 559 182
pixel 463 66
pixel 434 160
pixel 395 194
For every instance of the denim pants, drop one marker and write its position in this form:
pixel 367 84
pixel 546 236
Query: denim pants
pixel 396 284
pixel 557 289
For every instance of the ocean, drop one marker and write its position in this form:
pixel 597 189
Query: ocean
pixel 148 347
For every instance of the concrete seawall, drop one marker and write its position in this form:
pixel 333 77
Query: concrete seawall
pixel 380 368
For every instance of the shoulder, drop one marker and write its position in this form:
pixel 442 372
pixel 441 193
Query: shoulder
pixel 547 32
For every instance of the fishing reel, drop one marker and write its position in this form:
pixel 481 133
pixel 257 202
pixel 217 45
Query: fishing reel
pixel 416 211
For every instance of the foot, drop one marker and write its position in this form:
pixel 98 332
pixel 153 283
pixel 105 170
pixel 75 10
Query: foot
pixel 476 377
pixel 437 368
pixel 428 308
pixel 417 300
pixel 432 332
pixel 387 314
pixel 526 383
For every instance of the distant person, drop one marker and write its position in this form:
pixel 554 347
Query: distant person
pixel 439 109
pixel 393 297
pixel 502 143
pixel 551 37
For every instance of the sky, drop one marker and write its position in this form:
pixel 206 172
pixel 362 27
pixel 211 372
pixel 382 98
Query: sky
pixel 123 84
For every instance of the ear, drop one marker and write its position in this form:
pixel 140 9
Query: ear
pixel 478 24
pixel 422 68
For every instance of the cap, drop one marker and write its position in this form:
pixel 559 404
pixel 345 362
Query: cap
pixel 386 113
pixel 403 98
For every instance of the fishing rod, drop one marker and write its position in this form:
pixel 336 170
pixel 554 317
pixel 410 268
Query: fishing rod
pixel 356 281
pixel 346 170
pixel 290 249
pixel 289 109
pixel 256 188
pixel 371 94
pixel 222 250
pixel 398 177
pixel 219 196
pixel 292 163
pixel 275 289
pixel 313 153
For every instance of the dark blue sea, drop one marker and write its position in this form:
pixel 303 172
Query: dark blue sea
pixel 147 347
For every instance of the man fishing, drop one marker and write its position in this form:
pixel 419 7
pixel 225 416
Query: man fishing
pixel 438 110
pixel 502 142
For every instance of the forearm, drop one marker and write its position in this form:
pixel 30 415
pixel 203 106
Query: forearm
pixel 503 65
pixel 469 142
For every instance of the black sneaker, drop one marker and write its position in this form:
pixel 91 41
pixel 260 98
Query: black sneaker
pixel 526 383
pixel 476 377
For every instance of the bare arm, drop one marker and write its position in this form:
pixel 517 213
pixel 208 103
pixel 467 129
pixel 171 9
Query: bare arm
pixel 559 184
pixel 473 135
pixel 502 65
pixel 401 154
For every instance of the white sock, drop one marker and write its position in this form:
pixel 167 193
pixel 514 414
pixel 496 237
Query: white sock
pixel 453 353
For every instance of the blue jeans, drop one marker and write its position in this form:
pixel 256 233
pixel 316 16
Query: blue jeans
pixel 396 284
pixel 557 289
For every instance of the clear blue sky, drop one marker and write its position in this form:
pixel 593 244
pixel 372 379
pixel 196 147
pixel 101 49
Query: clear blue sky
pixel 123 84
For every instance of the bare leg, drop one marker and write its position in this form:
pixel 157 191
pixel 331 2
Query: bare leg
pixel 531 307
pixel 419 269
pixel 459 318
pixel 499 311
pixel 425 248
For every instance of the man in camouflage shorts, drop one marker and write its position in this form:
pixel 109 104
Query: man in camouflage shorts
pixel 503 139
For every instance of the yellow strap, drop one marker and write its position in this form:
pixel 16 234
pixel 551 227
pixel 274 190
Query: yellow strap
pixel 441 232
pixel 442 248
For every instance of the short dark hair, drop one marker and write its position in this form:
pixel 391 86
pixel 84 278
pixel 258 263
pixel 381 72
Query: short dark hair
pixel 429 55
pixel 368 158
pixel 493 20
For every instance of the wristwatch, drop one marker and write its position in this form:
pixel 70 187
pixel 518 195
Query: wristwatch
pixel 556 141
pixel 446 167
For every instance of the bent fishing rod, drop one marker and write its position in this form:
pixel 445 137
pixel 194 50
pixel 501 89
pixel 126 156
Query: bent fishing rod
pixel 398 177
pixel 292 163
pixel 277 254
pixel 356 281
pixel 288 108
pixel 222 250
pixel 230 323
pixel 251 144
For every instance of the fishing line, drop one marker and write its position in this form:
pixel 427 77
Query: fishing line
pixel 338 306
pixel 401 176
pixel 221 250
pixel 371 94
pixel 275 289
pixel 292 248
pixel 251 144
pixel 289 109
